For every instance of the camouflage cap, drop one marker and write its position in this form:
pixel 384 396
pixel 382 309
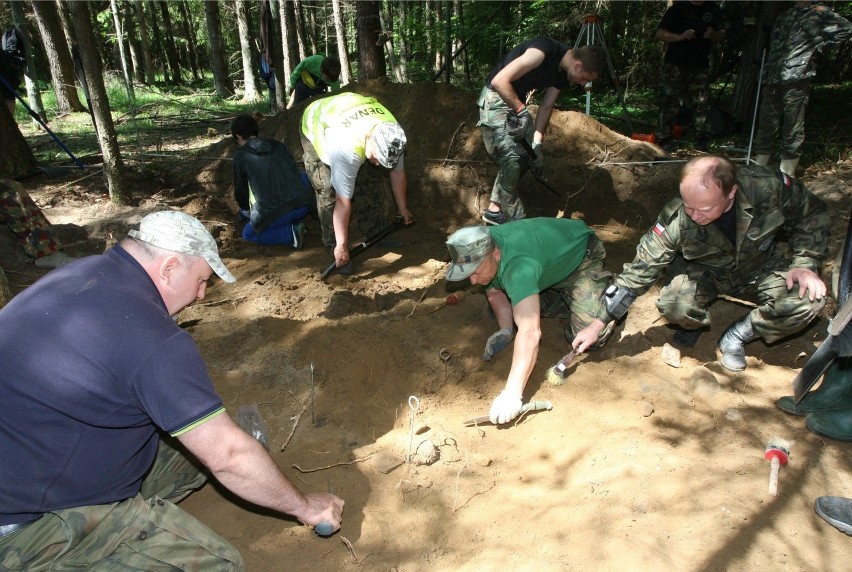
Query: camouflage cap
pixel 390 141
pixel 179 232
pixel 468 248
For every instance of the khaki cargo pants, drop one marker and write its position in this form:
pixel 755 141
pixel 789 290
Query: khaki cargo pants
pixel 147 532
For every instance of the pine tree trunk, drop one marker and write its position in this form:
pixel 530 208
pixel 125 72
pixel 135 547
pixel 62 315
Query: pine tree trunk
pixel 122 54
pixel 30 77
pixel 171 48
pixel 287 54
pixel 371 57
pixel 145 41
pixel 300 29
pixel 137 58
pixel 16 158
pixel 53 40
pixel 386 36
pixel 221 80
pixel 104 128
pixel 250 91
pixel 189 32
pixel 402 41
pixel 342 52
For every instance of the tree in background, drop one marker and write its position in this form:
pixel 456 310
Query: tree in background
pixel 371 56
pixel 221 80
pixel 104 128
pixel 55 46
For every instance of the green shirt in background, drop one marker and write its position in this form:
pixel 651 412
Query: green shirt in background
pixel 310 72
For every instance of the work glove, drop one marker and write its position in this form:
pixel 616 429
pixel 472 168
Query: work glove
pixel 537 162
pixel 505 407
pixel 244 215
pixel 518 123
pixel 496 342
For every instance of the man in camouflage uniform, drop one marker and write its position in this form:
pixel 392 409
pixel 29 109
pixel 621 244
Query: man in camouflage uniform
pixel 797 34
pixel 720 238
pixel 339 135
pixel 506 123
pixel 689 30
pixel 25 219
pixel 532 268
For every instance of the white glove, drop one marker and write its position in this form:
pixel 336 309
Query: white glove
pixel 505 407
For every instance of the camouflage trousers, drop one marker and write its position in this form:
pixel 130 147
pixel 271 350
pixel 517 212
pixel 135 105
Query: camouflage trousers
pixel 26 220
pixel 144 533
pixel 682 86
pixel 578 295
pixel 780 312
pixel 782 109
pixel 511 158
pixel 369 201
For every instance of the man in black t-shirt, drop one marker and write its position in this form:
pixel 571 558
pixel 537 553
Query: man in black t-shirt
pixel 689 30
pixel 505 121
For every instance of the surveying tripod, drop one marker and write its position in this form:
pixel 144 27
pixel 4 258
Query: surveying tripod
pixel 592 33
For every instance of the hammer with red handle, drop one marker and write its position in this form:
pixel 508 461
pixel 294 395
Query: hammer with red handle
pixel 777 453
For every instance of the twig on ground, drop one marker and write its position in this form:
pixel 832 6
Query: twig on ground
pixel 348 544
pixel 301 470
pixel 293 430
pixel 423 295
pixel 474 495
pixel 220 302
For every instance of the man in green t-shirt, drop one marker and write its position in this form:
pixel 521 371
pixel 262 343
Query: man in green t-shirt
pixel 531 268
pixel 314 76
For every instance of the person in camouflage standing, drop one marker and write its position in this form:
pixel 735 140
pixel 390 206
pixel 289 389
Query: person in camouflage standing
pixel 689 30
pixel 25 219
pixel 532 268
pixel 505 122
pixel 341 133
pixel 797 34
pixel 720 237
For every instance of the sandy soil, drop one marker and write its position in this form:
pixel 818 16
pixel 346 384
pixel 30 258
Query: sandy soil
pixel 639 465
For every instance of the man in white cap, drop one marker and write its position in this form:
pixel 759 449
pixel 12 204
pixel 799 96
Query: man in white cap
pixel 102 390
pixel 339 135
pixel 531 268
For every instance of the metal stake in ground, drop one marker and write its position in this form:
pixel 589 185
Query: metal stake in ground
pixel 313 417
pixel 414 405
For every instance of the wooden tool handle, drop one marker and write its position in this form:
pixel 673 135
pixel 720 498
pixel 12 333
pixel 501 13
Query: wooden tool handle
pixel 775 464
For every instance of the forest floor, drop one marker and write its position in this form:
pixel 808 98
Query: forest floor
pixel 639 465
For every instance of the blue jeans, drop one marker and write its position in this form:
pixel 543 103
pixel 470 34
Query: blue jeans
pixel 279 231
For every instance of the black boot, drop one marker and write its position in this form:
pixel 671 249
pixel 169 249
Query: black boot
pixel 833 394
pixel 684 338
pixel 732 343
pixel 834 424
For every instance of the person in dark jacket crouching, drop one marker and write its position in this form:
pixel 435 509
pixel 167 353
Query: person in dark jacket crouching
pixel 272 194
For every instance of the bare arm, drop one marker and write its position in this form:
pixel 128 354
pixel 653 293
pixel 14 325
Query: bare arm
pixel 525 353
pixel 243 466
pixel 542 118
pixel 502 82
pixel 399 185
pixel 664 35
pixel 340 219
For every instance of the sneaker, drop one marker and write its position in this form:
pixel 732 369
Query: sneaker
pixel 298 231
pixel 491 217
